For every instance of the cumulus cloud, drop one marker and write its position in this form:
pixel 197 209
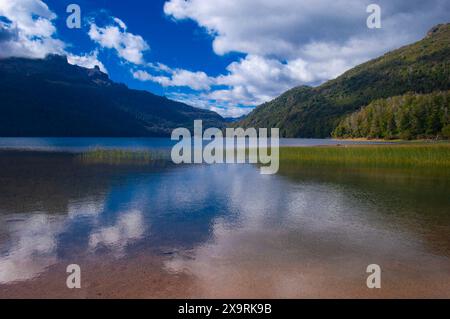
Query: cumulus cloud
pixel 248 82
pixel 27 30
pixel 207 100
pixel 256 79
pixel 282 28
pixel 128 46
pixel 177 77
pixel 293 42
pixel 89 60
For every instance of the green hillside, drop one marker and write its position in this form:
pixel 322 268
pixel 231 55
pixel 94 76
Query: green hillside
pixel 409 116
pixel 422 67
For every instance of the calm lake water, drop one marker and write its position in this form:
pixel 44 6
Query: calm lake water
pixel 83 144
pixel 216 230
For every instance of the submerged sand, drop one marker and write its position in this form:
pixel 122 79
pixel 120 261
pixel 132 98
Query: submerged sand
pixel 150 277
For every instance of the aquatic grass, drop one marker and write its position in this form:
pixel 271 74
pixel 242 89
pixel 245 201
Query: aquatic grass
pixel 393 155
pixel 121 157
pixel 397 155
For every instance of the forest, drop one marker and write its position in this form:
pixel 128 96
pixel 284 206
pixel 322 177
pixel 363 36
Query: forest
pixel 409 116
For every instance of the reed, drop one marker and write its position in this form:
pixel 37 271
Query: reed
pixel 120 157
pixel 398 155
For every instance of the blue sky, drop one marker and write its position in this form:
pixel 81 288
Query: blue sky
pixel 176 44
pixel 223 55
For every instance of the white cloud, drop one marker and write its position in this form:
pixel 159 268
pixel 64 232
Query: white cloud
pixel 293 42
pixel 282 28
pixel 28 30
pixel 177 77
pixel 257 79
pixel 230 111
pixel 89 61
pixel 142 75
pixel 210 101
pixel 127 45
pixel 262 26
pixel 120 23
pixel 248 82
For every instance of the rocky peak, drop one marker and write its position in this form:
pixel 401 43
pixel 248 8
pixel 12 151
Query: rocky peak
pixel 438 29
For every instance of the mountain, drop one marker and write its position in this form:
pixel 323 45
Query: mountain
pixel 233 119
pixel 50 97
pixel 422 67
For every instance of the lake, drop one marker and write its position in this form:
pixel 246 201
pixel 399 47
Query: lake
pixel 164 231
pixel 84 144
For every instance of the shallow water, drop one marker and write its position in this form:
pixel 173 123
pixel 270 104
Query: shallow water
pixel 84 144
pixel 220 230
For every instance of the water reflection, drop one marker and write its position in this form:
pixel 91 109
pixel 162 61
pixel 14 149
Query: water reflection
pixel 31 246
pixel 128 228
pixel 235 232
pixel 314 238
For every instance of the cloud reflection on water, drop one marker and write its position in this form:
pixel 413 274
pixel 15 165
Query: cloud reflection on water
pixel 225 225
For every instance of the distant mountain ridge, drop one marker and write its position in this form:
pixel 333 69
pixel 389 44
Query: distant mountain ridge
pixel 50 97
pixel 422 67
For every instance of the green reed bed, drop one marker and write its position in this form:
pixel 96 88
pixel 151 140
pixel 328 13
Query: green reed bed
pixel 395 155
pixel 400 155
pixel 121 157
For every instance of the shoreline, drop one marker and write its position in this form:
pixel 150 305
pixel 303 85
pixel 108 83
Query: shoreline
pixel 394 141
